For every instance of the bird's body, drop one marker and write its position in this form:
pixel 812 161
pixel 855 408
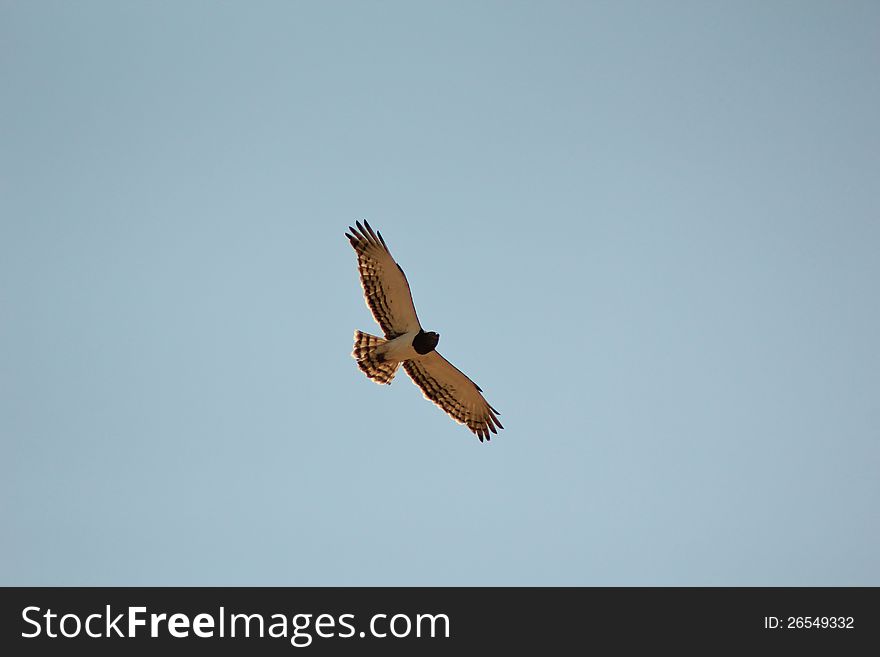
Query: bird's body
pixel 399 349
pixel 408 346
pixel 388 296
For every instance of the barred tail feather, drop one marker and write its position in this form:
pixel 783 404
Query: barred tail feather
pixel 365 354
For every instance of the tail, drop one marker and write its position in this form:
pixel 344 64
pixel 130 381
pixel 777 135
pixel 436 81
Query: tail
pixel 365 353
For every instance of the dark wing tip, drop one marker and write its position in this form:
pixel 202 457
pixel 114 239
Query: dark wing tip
pixel 364 231
pixel 371 232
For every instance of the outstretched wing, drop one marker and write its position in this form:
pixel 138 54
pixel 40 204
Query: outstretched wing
pixel 385 286
pixel 455 393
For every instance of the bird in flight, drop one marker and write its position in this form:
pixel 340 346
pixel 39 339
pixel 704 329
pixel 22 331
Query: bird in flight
pixel 388 296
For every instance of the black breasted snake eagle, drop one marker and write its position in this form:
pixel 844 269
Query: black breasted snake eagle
pixel 388 296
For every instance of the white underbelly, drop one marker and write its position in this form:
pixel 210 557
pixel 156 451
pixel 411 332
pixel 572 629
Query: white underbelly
pixel 400 348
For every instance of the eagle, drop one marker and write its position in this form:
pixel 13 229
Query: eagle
pixel 388 297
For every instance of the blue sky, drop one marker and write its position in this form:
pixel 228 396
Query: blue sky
pixel 649 231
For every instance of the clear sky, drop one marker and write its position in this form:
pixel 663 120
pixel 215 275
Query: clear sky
pixel 650 231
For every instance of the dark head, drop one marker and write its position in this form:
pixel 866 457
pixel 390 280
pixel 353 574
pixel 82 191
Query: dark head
pixel 424 342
